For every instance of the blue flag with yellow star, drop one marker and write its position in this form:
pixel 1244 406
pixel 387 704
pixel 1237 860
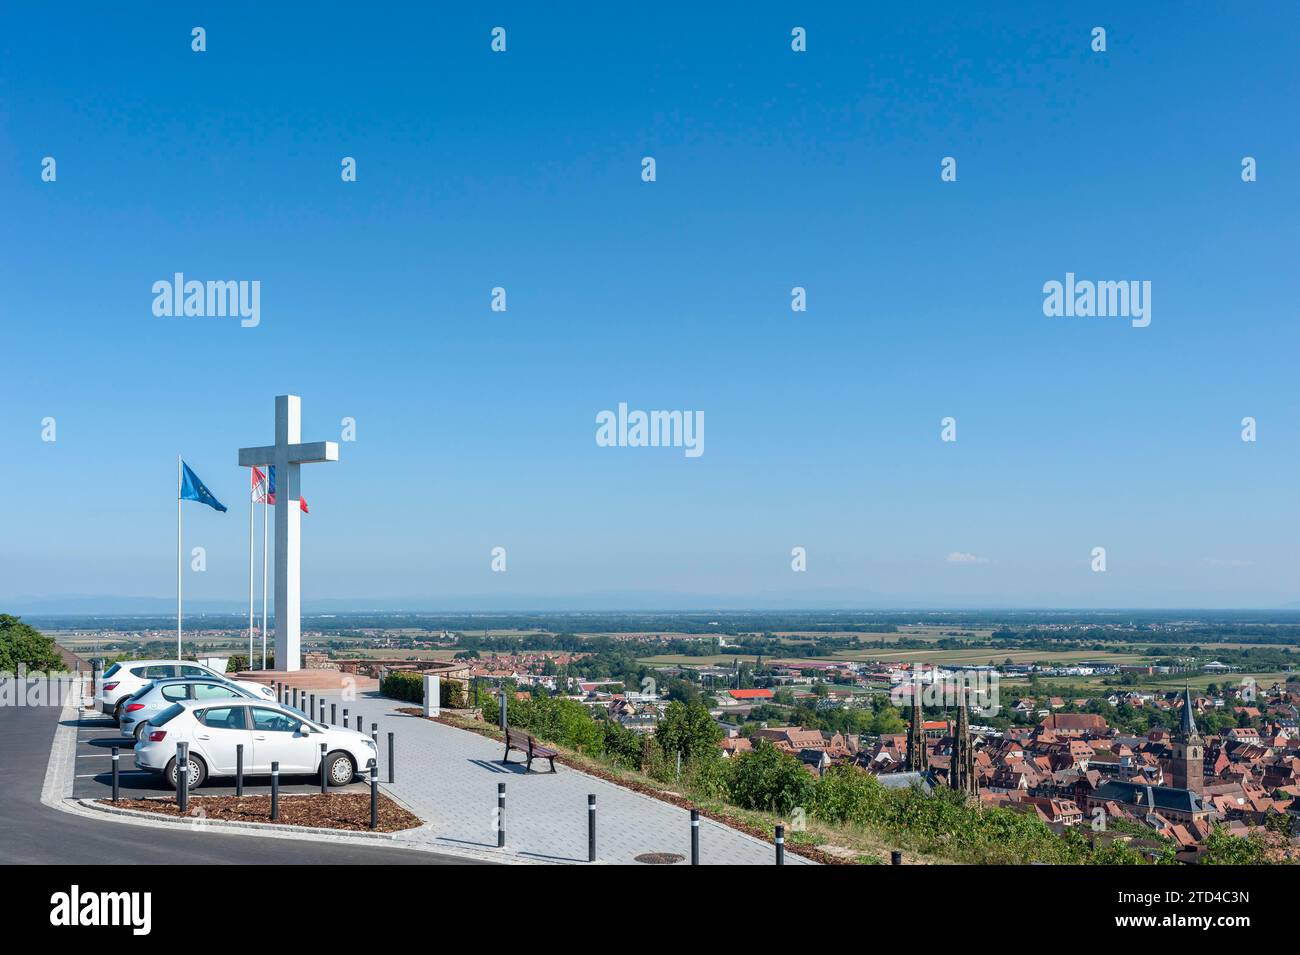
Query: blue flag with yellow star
pixel 192 489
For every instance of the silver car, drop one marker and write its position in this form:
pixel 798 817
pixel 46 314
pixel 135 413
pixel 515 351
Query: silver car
pixel 157 696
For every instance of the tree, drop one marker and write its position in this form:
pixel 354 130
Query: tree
pixel 769 779
pixel 24 645
pixel 682 691
pixel 687 728
pixel 887 720
pixel 1222 848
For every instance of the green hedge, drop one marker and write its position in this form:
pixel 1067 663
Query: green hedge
pixel 409 685
pixel 239 662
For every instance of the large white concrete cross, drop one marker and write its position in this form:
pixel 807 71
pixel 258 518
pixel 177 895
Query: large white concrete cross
pixel 287 454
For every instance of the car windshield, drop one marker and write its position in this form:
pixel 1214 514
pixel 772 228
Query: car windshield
pixel 142 691
pixel 113 669
pixel 167 715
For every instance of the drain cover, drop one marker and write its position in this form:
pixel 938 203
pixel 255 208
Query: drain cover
pixel 659 858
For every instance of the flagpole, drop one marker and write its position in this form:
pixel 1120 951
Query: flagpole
pixel 178 556
pixel 265 512
pixel 251 509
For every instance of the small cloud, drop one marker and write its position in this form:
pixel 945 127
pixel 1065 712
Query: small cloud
pixel 1221 562
pixel 957 557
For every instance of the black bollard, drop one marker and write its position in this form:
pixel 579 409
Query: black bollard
pixel 780 845
pixel 295 697
pixel 115 781
pixel 239 769
pixel 374 735
pixel 334 714
pixel 183 777
pixel 695 837
pixel 895 857
pixel 392 767
pixel 591 828
pixel 374 796
pixel 344 724
pixel 501 815
pixel 359 723
pixel 275 791
pixel 324 783
pixel 311 707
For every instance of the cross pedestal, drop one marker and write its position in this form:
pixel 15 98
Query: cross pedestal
pixel 287 454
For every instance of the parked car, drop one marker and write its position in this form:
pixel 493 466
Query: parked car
pixel 269 732
pixel 122 679
pixel 152 698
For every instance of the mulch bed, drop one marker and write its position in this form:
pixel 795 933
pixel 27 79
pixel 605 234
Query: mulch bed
pixel 347 811
pixel 593 769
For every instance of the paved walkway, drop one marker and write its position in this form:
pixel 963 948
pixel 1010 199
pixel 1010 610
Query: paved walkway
pixel 449 778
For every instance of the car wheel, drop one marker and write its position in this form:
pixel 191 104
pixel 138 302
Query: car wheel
pixel 339 769
pixel 138 731
pixel 117 713
pixel 198 773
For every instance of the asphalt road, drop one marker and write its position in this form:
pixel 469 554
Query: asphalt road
pixel 33 833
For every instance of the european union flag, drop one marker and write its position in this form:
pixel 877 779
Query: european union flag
pixel 192 489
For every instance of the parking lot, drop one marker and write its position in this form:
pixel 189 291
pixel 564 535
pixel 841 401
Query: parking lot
pixel 96 737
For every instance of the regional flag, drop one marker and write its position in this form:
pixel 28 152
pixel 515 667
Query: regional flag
pixel 192 489
pixel 257 485
pixel 270 494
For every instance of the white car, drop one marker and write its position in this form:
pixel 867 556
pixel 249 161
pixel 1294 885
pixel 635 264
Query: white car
pixel 269 732
pixel 151 699
pixel 122 679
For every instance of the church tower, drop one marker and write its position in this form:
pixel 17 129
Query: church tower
pixel 961 771
pixel 1187 767
pixel 916 761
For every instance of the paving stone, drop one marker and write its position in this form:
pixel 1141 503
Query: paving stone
pixel 449 777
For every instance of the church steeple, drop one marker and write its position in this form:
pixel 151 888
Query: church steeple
pixel 1187 723
pixel 961 771
pixel 1187 764
pixel 916 761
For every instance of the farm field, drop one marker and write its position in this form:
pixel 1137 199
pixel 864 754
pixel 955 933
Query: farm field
pixel 1157 683
pixel 966 657
pixel 393 653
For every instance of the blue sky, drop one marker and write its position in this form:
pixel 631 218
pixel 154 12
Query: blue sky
pixel 476 429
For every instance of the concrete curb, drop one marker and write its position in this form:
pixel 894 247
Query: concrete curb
pixel 243 827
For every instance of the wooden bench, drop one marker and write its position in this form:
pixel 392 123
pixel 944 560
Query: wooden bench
pixel 529 746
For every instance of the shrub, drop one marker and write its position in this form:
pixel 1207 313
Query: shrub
pixel 403 685
pixel 409 685
pixel 709 776
pixel 239 662
pixel 622 746
pixel 769 779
